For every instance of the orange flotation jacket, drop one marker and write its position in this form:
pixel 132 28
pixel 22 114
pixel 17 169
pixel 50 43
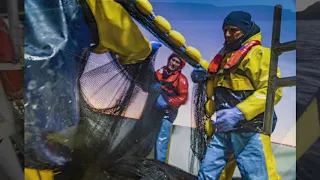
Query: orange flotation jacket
pixel 174 84
pixel 235 60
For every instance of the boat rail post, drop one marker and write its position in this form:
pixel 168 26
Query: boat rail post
pixel 13 16
pixel 274 82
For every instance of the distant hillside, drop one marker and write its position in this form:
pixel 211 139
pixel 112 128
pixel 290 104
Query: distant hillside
pixel 311 13
pixel 205 12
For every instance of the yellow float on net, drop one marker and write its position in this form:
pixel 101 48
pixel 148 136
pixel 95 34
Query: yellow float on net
pixel 162 24
pixel 210 88
pixel 144 7
pixel 209 128
pixel 210 107
pixel 193 53
pixel 177 38
pixel 204 63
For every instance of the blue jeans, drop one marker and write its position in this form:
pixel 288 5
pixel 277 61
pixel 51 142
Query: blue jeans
pixel 252 152
pixel 163 140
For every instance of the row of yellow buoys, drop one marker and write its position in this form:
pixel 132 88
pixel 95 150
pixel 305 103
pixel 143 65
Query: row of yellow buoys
pixel 178 40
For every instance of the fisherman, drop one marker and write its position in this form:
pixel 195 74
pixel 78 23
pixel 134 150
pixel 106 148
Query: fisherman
pixel 240 73
pixel 173 88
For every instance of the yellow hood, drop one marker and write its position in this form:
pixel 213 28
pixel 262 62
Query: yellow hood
pixel 256 37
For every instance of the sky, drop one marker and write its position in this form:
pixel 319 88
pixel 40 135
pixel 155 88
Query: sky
pixel 207 37
pixel 294 5
pixel 287 4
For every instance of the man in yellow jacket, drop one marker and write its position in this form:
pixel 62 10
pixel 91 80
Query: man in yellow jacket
pixel 239 78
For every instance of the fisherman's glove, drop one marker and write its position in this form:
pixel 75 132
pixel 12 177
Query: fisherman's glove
pixel 156 87
pixel 162 102
pixel 199 74
pixel 227 119
pixel 155 45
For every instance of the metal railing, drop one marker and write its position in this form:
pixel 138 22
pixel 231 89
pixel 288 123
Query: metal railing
pixel 14 31
pixel 274 82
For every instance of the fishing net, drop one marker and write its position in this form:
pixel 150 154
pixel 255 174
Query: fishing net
pixel 86 114
pixel 117 117
pixel 198 137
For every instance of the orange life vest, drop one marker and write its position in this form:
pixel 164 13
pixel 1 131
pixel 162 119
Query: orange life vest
pixel 235 60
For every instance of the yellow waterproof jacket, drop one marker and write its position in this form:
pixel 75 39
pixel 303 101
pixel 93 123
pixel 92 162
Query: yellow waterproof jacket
pixel 118 32
pixel 255 65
